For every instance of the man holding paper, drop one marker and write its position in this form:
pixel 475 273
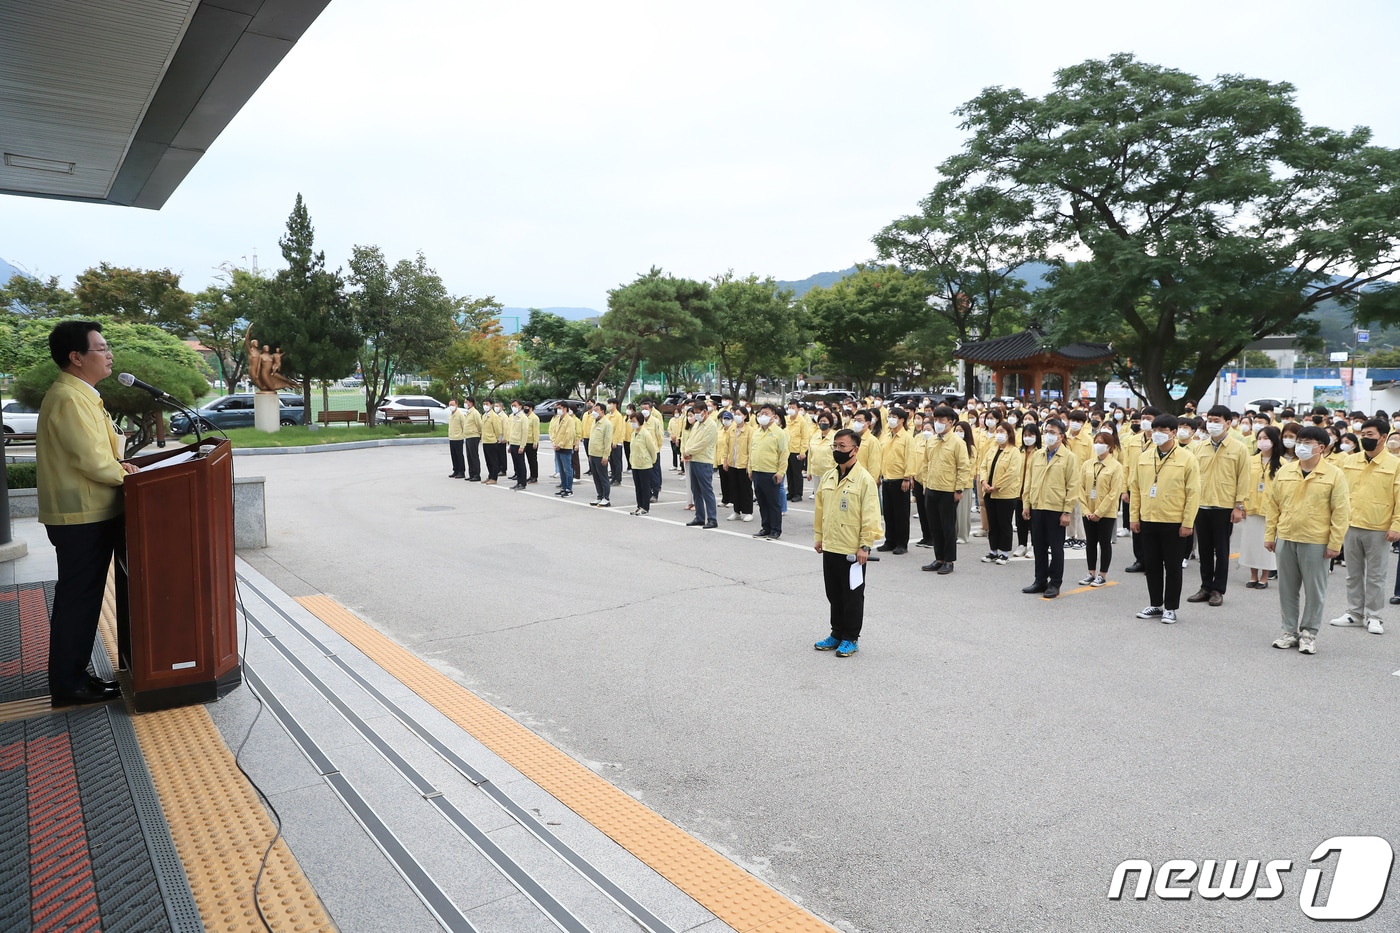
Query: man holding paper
pixel 847 523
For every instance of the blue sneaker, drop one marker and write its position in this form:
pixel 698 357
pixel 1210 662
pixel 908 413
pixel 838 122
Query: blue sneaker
pixel 847 649
pixel 826 644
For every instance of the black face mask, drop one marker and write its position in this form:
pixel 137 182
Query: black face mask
pixel 1369 444
pixel 841 456
pixel 826 426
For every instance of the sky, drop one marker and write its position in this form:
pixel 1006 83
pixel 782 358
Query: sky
pixel 545 152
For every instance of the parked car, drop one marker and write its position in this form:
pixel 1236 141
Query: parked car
pixel 545 410
pixel 236 411
pixel 394 403
pixel 19 419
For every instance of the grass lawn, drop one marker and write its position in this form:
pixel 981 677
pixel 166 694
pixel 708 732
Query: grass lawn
pixel 298 436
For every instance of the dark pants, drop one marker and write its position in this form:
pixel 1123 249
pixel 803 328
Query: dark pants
pixel 84 553
pixel 493 469
pixel 1048 543
pixel 921 502
pixel 656 476
pixel 702 490
pixel 1098 543
pixel 574 462
pixel 627 454
pixel 642 480
pixel 473 447
pixel 499 449
pixel 1162 547
pixel 896 506
pixel 1213 530
pixel 564 465
pixel 737 489
pixel 532 460
pixel 770 506
pixel 675 455
pixel 1023 524
pixel 943 521
pixel 847 605
pixel 600 476
pixel 795 477
pixel 459 464
pixel 999 519
pixel 517 463
pixel 615 461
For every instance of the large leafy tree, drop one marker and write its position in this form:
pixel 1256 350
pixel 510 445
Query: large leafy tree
pixel 561 351
pixel 969 243
pixel 222 313
pixel 659 318
pixel 479 356
pixel 862 319
pixel 25 296
pixel 142 296
pixel 759 329
pixel 1208 214
pixel 306 312
pixel 402 315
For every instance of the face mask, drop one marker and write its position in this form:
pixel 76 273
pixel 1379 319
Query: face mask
pixel 841 456
pixel 1289 442
pixel 1393 443
pixel 1201 436
pixel 858 427
pixel 792 412
pixel 1356 425
pixel 727 418
pixel 1247 428
pixel 1011 421
pixel 1117 416
pixel 1001 437
pixel 1160 437
pixel 879 404
pixel 728 404
pixel 1100 450
pixel 1214 429
pixel 451 407
pixel 636 426
pixel 1146 424
pixel 1028 440
pixel 763 420
pixel 1265 444
pixel 646 412
pixel 928 434
pixel 1051 440
pixel 1183 434
pixel 990 423
pixel 1074 427
pixel 825 426
pixel 1346 448
pixel 740 418
pixel 940 426
pixel 515 411
pixel 959 433
pixel 1304 451
pixel 1369 444
pixel 690 418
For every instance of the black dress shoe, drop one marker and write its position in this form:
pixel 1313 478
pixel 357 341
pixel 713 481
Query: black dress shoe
pixel 774 536
pixel 1134 567
pixel 711 525
pixel 885 547
pixel 1395 600
pixel 88 694
pixel 1050 592
pixel 900 550
pixel 456 475
pixel 947 568
pixel 935 566
pixel 98 683
pixel 1035 588
pixel 694 523
pixel 762 533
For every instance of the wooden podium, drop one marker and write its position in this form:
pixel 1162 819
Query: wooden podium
pixel 178 638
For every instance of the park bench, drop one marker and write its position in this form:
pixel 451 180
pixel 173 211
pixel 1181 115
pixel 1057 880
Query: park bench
pixel 347 417
pixel 16 438
pixel 412 415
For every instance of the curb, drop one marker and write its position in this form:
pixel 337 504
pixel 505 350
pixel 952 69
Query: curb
pixel 348 445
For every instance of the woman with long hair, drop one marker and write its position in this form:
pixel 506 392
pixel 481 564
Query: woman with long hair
pixel 1030 442
pixel 999 482
pixel 963 431
pixel 1103 484
pixel 1262 467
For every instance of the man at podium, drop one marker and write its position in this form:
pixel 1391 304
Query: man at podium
pixel 80 476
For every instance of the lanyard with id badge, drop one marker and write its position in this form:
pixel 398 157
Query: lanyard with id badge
pixel 1161 462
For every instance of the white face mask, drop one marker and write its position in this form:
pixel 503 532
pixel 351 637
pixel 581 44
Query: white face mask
pixel 940 426
pixel 1147 424
pixel 1346 448
pixel 1247 427
pixel 1202 436
pixel 792 412
pixel 763 420
pixel 990 423
pixel 1265 444
pixel 498 409
pixel 451 407
pixel 858 427
pixel 928 434
pixel 1183 434
pixel 1393 443
pixel 1074 427
pixel 959 433
pixel 1012 421
pixel 515 411
pixel 1051 440
pixel 1289 442
pixel 1160 437
pixel 1100 450
pixel 1304 451
pixel 1356 425
pixel 1214 429
pixel 1117 416
pixel 1001 437
pixel 1028 440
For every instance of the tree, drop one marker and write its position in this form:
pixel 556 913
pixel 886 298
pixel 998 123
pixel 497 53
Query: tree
pixel 759 329
pixel 561 351
pixel 403 317
pixel 1210 213
pixel 969 242
pixel 222 314
pixel 479 357
pixel 141 296
pixel 306 312
pixel 861 319
pixel 658 318
pixel 29 297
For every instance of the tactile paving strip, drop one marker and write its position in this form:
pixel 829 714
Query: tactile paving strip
pixel 722 887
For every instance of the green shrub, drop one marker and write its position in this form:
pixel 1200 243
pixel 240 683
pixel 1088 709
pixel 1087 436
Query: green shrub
pixel 22 475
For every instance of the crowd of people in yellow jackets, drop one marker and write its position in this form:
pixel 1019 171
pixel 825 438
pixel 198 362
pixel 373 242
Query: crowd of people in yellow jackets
pixel 1035 480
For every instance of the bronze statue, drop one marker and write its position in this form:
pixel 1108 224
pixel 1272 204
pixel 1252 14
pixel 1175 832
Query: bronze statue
pixel 265 367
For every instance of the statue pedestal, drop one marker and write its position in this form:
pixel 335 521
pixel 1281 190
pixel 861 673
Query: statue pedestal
pixel 267 411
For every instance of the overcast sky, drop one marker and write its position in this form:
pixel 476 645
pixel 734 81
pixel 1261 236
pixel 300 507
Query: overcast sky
pixel 545 152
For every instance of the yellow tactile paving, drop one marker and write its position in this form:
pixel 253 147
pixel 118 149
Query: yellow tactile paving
pixel 726 890
pixel 219 826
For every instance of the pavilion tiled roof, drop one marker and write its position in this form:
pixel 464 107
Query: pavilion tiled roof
pixel 1029 343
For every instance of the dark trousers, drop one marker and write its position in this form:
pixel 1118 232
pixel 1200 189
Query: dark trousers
pixel 488 452
pixel 642 480
pixel 1213 530
pixel 770 506
pixel 921 503
pixel 459 464
pixel 737 489
pixel 702 490
pixel 627 454
pixel 532 460
pixel 943 522
pixel 795 477
pixel 656 476
pixel 473 448
pixel 84 553
pixel 675 455
pixel 1162 547
pixel 1000 514
pixel 896 505
pixel 847 605
pixel 498 450
pixel 517 463
pixel 573 460
pixel 1048 543
pixel 1023 524
pixel 600 476
pixel 615 462
pixel 1098 543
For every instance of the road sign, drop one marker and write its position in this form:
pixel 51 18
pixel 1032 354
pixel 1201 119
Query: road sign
pixel 1363 336
pixel 1339 357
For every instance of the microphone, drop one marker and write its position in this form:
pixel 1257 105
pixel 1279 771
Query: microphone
pixel 127 379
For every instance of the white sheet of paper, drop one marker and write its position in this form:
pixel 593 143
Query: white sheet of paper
pixel 857 575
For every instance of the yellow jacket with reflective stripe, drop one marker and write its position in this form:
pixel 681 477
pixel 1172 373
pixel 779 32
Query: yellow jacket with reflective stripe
pixel 1101 486
pixel 1224 472
pixel 819 458
pixel 1178 482
pixel 78 449
pixel 768 450
pixel 844 530
pixel 700 440
pixel 1375 490
pixel 1005 476
pixel 947 466
pixel 1315 510
pixel 563 431
pixel 1052 483
pixel 897 458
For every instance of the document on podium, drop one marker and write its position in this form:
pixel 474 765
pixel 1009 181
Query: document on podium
pixel 182 457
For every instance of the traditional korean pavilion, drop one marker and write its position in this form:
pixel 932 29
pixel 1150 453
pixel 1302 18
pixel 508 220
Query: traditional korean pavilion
pixel 1029 358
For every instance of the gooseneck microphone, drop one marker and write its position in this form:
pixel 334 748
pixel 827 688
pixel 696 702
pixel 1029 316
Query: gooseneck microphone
pixel 127 379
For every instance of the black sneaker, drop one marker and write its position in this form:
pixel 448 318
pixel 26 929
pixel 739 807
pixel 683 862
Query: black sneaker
pixel 1134 567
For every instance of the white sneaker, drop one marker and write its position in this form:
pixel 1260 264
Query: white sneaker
pixel 979 533
pixel 1286 640
pixel 1375 627
pixel 1123 532
pixel 1307 642
pixel 748 517
pixel 1346 620
pixel 734 517
pixel 1168 616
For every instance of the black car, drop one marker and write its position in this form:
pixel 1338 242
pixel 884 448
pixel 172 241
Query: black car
pixel 236 411
pixel 545 410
